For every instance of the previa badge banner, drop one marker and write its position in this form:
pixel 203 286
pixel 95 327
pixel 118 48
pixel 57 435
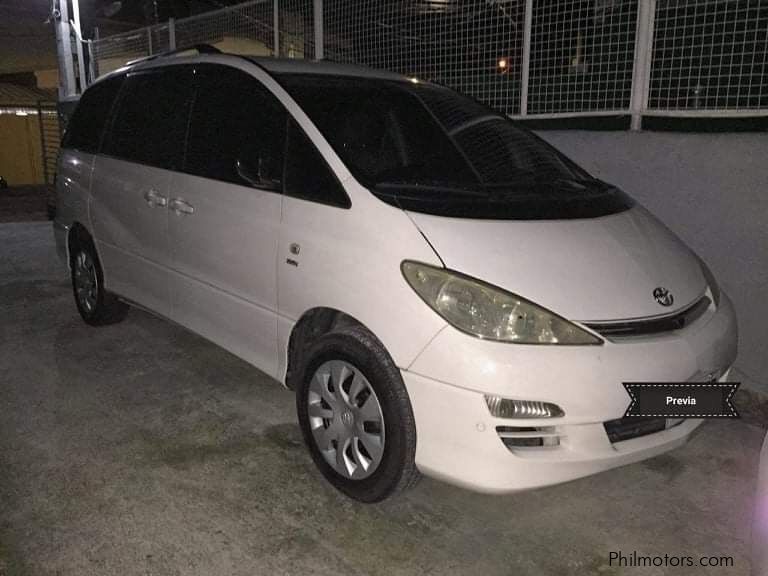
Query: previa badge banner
pixel 681 399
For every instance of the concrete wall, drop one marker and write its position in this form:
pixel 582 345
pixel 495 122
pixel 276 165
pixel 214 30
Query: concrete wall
pixel 712 190
pixel 47 78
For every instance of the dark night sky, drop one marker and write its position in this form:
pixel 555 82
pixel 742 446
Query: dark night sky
pixel 28 43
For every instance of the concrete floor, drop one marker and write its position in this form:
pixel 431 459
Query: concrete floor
pixel 25 203
pixel 142 449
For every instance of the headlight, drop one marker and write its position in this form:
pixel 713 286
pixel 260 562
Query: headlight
pixel 488 312
pixel 711 282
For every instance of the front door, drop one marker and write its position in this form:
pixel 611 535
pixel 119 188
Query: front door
pixel 224 215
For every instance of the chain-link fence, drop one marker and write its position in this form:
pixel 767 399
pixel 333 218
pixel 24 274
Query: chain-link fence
pixel 582 56
pixel 528 58
pixel 258 28
pixel 710 56
pixel 475 46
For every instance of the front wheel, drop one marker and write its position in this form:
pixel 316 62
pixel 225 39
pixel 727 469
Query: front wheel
pixel 356 417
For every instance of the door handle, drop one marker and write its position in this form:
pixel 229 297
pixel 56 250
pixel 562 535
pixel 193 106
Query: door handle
pixel 154 198
pixel 181 207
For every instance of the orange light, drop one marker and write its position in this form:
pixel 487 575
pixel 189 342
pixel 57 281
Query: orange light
pixel 503 63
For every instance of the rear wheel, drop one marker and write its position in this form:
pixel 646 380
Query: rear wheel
pixel 356 417
pixel 97 307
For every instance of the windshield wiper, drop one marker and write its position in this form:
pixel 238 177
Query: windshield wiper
pixel 395 188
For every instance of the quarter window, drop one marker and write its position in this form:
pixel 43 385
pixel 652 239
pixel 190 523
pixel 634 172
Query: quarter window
pixel 237 130
pixel 87 123
pixel 307 175
pixel 151 119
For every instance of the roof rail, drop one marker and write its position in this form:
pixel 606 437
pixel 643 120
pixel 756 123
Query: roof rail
pixel 201 49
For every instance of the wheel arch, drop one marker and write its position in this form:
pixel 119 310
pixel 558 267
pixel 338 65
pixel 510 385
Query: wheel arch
pixel 313 324
pixel 77 233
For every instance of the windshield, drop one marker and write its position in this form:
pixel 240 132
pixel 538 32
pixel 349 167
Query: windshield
pixel 427 148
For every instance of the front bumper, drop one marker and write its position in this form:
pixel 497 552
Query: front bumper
pixel 458 439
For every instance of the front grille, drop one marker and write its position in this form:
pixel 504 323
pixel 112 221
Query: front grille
pixel 676 321
pixel 628 428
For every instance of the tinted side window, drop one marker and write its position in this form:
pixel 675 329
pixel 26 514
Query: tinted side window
pixel 86 126
pixel 307 175
pixel 151 118
pixel 237 130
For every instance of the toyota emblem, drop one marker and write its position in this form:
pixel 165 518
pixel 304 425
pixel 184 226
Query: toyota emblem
pixel 663 296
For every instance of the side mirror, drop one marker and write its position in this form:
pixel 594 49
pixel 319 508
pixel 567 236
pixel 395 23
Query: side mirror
pixel 257 175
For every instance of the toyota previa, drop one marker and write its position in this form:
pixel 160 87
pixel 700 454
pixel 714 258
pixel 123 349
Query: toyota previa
pixel 445 292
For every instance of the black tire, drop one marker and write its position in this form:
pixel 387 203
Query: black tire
pixel 102 307
pixel 396 470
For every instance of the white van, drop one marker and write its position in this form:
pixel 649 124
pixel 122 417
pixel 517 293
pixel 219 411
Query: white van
pixel 444 291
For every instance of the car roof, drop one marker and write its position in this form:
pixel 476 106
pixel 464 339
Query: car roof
pixel 272 65
pixel 276 66
pixel 304 66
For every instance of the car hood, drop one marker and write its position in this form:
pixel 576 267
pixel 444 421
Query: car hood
pixel 596 269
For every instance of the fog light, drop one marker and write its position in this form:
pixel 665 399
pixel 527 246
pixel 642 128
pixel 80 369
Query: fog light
pixel 515 437
pixel 506 408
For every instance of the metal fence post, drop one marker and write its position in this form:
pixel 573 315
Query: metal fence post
pixel 641 70
pixel 82 72
pixel 149 40
pixel 93 53
pixel 526 68
pixel 42 141
pixel 67 87
pixel 171 34
pixel 92 72
pixel 318 27
pixel 276 28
